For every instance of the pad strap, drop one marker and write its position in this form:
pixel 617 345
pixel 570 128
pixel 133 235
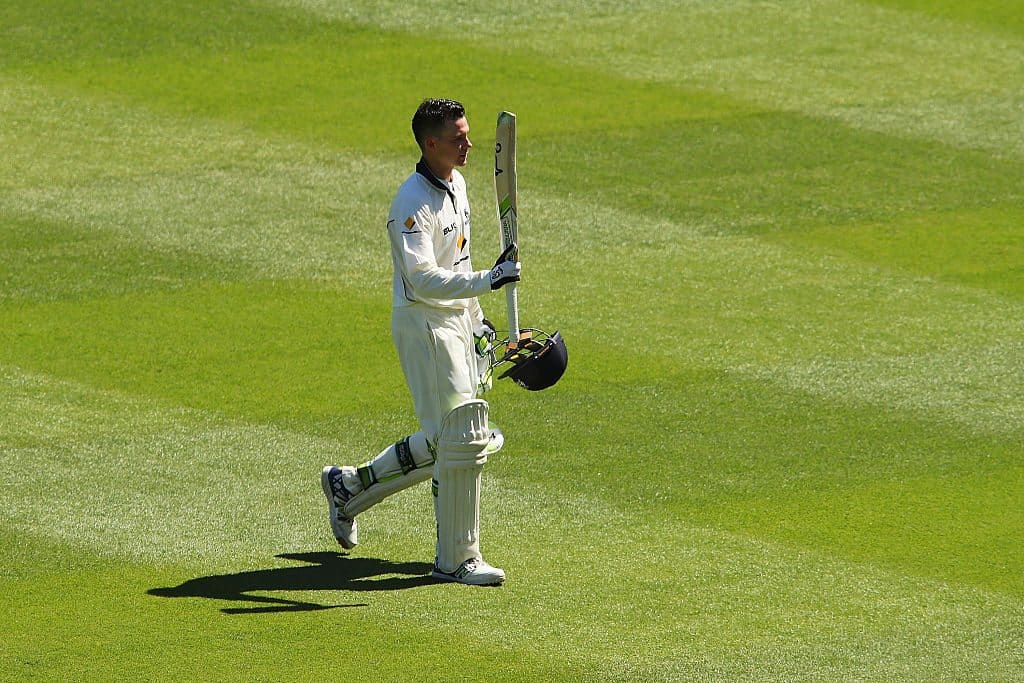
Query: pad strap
pixel 366 475
pixel 404 455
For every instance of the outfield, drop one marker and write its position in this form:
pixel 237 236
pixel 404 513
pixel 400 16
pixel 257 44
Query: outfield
pixel 785 245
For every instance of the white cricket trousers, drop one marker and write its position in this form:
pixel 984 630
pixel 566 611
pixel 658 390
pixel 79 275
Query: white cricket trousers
pixel 435 347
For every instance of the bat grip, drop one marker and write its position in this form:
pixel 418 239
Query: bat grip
pixel 512 305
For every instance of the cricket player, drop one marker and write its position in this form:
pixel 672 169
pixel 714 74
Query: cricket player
pixel 442 339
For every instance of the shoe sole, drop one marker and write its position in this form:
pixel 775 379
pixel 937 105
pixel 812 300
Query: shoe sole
pixel 325 484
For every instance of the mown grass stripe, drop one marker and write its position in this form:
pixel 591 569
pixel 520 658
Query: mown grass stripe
pixel 874 68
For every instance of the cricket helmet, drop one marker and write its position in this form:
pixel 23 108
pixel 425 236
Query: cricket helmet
pixel 538 361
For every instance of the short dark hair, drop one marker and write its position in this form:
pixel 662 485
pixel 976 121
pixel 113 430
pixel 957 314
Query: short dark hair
pixel 433 115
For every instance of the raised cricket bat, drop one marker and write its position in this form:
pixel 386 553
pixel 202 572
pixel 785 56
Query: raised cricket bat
pixel 508 209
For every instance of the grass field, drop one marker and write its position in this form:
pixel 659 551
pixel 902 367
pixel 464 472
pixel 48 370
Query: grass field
pixel 784 242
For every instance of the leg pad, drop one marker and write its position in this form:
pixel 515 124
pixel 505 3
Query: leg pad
pixel 461 454
pixel 397 467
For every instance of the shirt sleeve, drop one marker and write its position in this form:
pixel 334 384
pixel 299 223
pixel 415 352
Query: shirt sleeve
pixel 476 312
pixel 412 239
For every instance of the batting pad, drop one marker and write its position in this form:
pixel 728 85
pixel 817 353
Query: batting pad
pixel 461 454
pixel 397 467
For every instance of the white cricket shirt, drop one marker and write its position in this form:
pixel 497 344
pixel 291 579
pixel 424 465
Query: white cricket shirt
pixel 429 229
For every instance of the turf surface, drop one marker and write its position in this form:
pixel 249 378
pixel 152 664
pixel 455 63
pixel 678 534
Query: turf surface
pixel 783 241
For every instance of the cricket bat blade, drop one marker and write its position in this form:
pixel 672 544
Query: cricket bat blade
pixel 508 209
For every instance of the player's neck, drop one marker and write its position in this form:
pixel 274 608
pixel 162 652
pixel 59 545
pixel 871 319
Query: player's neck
pixel 442 171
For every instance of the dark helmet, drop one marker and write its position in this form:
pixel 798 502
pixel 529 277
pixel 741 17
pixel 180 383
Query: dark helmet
pixel 538 362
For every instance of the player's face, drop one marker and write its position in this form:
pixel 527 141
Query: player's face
pixel 454 144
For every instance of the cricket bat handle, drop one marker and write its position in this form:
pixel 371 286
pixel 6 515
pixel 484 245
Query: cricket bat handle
pixel 512 304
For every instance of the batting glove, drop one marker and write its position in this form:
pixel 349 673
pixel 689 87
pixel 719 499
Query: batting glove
pixel 485 336
pixel 506 268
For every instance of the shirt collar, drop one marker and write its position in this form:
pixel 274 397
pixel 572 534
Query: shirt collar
pixel 424 170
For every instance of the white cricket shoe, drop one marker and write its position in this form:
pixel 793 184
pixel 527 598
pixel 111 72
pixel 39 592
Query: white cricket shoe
pixel 473 571
pixel 344 527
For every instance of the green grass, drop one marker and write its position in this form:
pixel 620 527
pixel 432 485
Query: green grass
pixel 782 240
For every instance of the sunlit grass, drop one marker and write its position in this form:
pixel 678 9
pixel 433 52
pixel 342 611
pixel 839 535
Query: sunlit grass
pixel 783 244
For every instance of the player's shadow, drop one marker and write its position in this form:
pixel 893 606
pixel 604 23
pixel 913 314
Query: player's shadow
pixel 322 571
